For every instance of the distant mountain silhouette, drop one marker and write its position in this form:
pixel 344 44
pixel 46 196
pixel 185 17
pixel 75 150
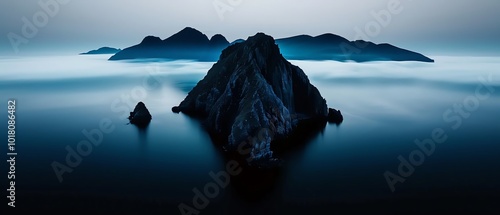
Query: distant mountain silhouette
pixel 192 44
pixel 334 47
pixel 186 44
pixel 218 41
pixel 103 50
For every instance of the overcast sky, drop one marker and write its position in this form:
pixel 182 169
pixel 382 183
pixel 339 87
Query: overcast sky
pixel 439 26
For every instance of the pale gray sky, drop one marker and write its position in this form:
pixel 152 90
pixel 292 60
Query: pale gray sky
pixel 439 26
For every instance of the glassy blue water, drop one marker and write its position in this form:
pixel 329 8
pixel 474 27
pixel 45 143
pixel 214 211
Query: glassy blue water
pixel 386 107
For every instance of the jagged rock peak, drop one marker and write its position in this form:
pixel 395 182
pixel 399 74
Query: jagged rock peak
pixel 252 91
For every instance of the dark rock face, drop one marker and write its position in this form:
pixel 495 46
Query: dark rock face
pixel 140 116
pixel 252 91
pixel 103 50
pixel 334 116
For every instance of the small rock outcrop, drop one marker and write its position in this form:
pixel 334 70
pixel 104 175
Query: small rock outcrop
pixel 140 116
pixel 334 116
pixel 253 92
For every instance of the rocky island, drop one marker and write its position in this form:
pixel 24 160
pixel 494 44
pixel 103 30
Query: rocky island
pixel 140 116
pixel 253 92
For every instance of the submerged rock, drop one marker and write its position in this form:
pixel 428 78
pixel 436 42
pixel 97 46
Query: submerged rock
pixel 253 96
pixel 140 116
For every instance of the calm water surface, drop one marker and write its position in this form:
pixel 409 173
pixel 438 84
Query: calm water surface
pixel 386 107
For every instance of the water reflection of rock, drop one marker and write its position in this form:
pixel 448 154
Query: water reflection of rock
pixel 141 118
pixel 255 182
pixel 143 133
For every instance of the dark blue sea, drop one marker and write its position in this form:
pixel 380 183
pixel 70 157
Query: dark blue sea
pixel 451 107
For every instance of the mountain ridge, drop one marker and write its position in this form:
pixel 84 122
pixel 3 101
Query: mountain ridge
pixel 190 43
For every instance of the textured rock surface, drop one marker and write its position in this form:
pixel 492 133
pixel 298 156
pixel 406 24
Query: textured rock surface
pixel 140 116
pixel 252 92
